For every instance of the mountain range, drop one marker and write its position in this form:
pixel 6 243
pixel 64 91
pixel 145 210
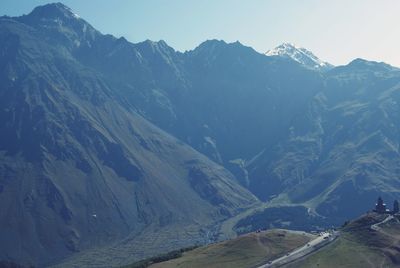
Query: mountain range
pixel 112 151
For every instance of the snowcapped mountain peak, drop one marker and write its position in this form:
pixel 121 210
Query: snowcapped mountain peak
pixel 300 55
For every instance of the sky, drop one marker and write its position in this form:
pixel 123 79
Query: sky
pixel 336 31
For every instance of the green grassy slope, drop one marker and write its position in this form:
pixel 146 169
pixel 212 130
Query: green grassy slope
pixel 359 246
pixel 245 251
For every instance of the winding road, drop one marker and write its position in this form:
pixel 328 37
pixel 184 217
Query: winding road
pixel 312 246
pixel 376 225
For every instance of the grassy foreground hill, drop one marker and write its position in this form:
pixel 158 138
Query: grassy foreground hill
pixel 361 246
pixel 358 245
pixel 245 251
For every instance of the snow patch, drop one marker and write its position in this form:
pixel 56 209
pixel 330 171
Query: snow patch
pixel 300 55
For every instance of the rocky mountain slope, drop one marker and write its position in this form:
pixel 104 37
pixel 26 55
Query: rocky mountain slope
pixel 79 167
pixel 344 149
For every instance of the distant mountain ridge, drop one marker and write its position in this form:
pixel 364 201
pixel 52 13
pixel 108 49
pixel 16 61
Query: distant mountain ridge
pixel 112 151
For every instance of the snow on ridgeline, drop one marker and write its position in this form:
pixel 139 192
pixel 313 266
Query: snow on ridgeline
pixel 300 55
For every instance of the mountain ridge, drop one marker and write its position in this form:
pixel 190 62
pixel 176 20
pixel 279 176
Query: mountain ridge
pixel 300 55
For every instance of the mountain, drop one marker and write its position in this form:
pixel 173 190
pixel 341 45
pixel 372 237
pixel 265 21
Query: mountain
pixel 343 149
pixel 300 55
pixel 182 92
pixel 112 151
pixel 81 169
pixel 234 92
pixel 195 96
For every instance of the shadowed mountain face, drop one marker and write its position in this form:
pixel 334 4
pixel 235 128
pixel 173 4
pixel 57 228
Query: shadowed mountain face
pixel 79 167
pixel 225 100
pixel 124 149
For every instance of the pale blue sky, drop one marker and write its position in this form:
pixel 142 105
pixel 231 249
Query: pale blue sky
pixel 335 30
